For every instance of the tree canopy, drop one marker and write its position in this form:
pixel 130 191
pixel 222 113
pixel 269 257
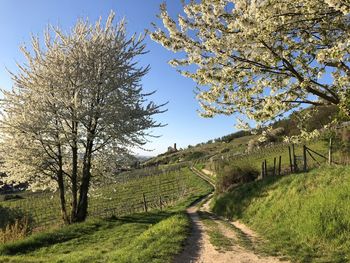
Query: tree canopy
pixel 76 99
pixel 262 58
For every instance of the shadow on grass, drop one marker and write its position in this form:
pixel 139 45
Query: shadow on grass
pixel 144 218
pixel 232 204
pixel 66 233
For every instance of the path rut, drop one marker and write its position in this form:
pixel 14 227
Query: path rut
pixel 199 249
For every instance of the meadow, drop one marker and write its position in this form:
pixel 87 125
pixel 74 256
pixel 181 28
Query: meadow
pixel 131 193
pixel 155 236
pixel 305 216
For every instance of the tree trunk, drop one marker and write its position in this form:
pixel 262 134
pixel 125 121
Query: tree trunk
pixel 74 183
pixel 61 186
pixel 62 197
pixel 85 183
pixel 74 176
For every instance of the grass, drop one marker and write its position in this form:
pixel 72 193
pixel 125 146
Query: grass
pixel 153 237
pixel 216 237
pixel 305 216
pixel 204 150
pixel 255 159
pixel 119 199
pixel 146 237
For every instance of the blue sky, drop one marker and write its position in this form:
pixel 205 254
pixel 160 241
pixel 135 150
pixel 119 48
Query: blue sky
pixel 20 18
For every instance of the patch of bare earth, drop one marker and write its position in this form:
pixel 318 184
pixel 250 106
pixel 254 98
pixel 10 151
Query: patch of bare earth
pixel 199 249
pixel 208 172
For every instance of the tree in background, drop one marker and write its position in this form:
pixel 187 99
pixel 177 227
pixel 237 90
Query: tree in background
pixel 262 58
pixel 77 98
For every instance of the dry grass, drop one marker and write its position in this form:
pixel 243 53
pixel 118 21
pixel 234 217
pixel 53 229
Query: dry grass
pixel 15 231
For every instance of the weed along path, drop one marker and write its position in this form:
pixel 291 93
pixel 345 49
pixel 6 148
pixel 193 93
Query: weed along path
pixel 214 240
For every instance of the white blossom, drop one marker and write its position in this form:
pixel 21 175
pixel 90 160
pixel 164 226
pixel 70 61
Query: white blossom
pixel 75 100
pixel 262 58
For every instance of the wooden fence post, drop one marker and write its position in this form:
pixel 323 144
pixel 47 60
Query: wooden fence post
pixel 295 169
pixel 144 202
pixel 160 203
pixel 304 157
pixel 290 160
pixel 279 165
pixel 274 166
pixel 265 167
pixel 262 170
pixel 330 151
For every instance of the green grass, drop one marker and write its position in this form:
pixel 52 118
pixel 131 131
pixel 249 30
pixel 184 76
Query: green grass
pixel 255 159
pixel 153 237
pixel 305 216
pixel 216 237
pixel 119 199
pixel 206 150
pixel 146 237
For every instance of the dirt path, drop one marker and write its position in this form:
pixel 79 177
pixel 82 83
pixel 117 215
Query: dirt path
pixel 233 242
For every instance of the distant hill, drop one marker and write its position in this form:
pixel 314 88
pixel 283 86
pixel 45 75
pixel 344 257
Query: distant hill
pixel 237 142
pixel 143 158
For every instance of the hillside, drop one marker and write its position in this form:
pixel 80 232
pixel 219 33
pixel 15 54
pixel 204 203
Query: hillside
pixel 202 151
pixel 305 216
pixel 155 236
pixel 276 207
pixel 238 142
pixel 131 193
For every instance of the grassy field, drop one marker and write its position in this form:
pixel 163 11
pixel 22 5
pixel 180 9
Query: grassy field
pixel 305 216
pixel 256 158
pixel 145 237
pixel 117 199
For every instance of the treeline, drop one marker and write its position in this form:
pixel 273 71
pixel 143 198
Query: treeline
pixel 230 137
pixel 310 118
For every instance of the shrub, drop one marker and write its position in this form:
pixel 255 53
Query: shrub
pixel 15 231
pixel 234 175
pixel 225 150
pixel 14 224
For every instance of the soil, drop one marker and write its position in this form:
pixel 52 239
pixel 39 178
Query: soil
pixel 198 248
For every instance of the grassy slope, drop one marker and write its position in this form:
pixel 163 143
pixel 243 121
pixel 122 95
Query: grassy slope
pixel 151 237
pixel 256 158
pixel 207 150
pixel 122 198
pixel 306 216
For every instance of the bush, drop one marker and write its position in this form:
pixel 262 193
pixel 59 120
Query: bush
pixel 18 230
pixel 234 175
pixel 225 150
pixel 14 224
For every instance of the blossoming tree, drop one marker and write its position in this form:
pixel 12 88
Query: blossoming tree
pixel 78 96
pixel 262 58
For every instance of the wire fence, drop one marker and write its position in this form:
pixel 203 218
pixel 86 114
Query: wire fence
pixel 140 191
pixel 280 159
